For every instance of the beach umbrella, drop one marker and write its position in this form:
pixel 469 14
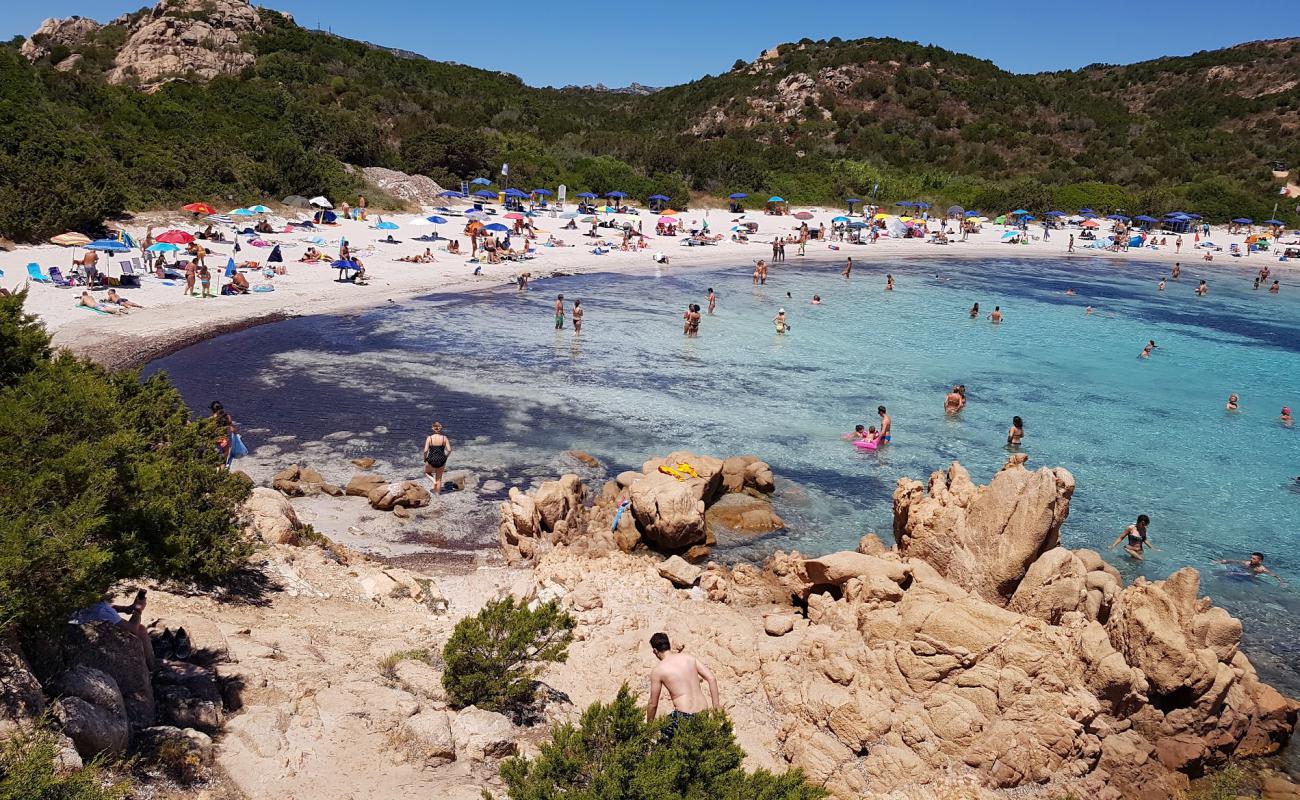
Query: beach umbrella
pixel 1027 219
pixel 418 222
pixel 514 193
pixel 514 215
pixel 1010 235
pixel 1117 217
pixel 199 208
pixel 852 200
pixel 775 199
pixel 1273 222
pixel 1000 219
pixel 1090 223
pixel 956 211
pixel 921 204
pixel 259 209
pixel 972 213
pixel 220 219
pixel 1145 218
pixel 857 224
pixel 617 195
pixel 349 264
pixel 543 192
pixel 243 212
pixel 839 219
pixel 667 220
pixel 485 194
pixel 386 226
pixel 498 227
pixel 737 196
pixel 108 246
pixel 1241 221
pixel 1193 216
pixel 1019 212
pixel 1055 214
pixel 481 182
pixel 436 220
pixel 664 198
pixel 803 215
pixel 588 220
pixel 569 215
pixel 451 193
pixel 71 239
pixel 320 201
pixel 174 237
pixel 1086 211
pixel 162 247
pixel 587 195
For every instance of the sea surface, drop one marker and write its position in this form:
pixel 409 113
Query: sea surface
pixel 1140 435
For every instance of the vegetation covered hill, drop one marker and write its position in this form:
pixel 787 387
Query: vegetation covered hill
pixel 812 121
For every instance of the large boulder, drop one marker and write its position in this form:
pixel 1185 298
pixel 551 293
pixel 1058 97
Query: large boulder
pixel 94 729
pixel 667 512
pixel 481 735
pixel 175 38
pixel 742 513
pixel 115 651
pixel 188 696
pixel 362 485
pixel 983 538
pixel 1150 625
pixel 1054 584
pixel 679 572
pixel 401 494
pixel 560 505
pixel 429 736
pixel 271 517
pixel 521 526
pixel 21 698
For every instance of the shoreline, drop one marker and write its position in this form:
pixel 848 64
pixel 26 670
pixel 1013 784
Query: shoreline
pixel 163 328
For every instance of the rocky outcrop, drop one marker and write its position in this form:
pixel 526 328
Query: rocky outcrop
pixel 983 538
pixel 887 676
pixel 402 494
pixel 58 34
pixel 21 698
pixel 481 735
pixel 420 190
pixel 296 481
pixel 270 517
pixel 112 650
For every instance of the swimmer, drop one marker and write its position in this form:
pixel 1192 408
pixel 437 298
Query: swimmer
pixel 779 321
pixel 1232 403
pixel 859 432
pixel 975 311
pixel 955 401
pixel 1202 289
pixel 1177 270
pixel 1088 311
pixel 889 283
pixel 1254 566
pixel 1275 288
pixel 713 300
pixel 1146 351
pixel 1161 286
pixel 848 268
pixel 886 426
pixel 1015 433
pixel 1256 284
pixel 1286 417
pixel 1137 538
pixel 817 300
pixel 1069 292
pixel 996 316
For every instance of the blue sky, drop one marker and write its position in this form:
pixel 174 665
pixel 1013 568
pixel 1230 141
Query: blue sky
pixel 662 43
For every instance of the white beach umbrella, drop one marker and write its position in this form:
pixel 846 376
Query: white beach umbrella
pixel 418 221
pixel 321 202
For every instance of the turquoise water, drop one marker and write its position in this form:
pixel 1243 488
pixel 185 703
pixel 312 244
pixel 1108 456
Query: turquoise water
pixel 1141 436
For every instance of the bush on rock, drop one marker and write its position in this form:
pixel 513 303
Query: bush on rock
pixel 31 769
pixel 614 754
pixel 492 658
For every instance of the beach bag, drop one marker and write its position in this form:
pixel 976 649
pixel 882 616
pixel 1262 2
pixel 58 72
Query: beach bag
pixel 237 447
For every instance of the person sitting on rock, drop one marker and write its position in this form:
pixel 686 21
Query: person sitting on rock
pixel 103 611
pixel 681 674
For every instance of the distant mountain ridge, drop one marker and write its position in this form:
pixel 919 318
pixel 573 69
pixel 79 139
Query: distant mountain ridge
pixel 273 109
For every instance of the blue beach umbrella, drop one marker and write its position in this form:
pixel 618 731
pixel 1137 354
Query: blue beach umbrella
pixel 387 226
pixel 1019 212
pixel 543 192
pixel 852 200
pixel 1145 218
pixel 617 195
pixel 857 224
pixel 659 197
pixel 737 196
pixel 587 195
pixel 972 213
pixel 1086 211
pixel 496 226
pixel 437 220
pixel 1273 222
pixel 108 246
pixel 921 204
pixel 243 212
pixel 1193 216
pixel 1010 235
pixel 485 194
pixel 906 204
pixel 220 219
pixel 451 193
pixel 259 209
pixel 515 193
pixel 1027 218
pixel 1117 217
pixel 162 247
pixel 1237 221
pixel 348 265
pixel 839 219
pixel 775 199
pixel 1055 214
pixel 481 182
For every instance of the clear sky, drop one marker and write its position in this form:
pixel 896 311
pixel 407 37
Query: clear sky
pixel 663 43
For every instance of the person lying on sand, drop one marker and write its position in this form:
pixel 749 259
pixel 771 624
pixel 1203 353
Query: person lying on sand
pixel 312 254
pixel 89 302
pixel 117 299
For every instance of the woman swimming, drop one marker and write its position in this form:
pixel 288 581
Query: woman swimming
pixel 1137 538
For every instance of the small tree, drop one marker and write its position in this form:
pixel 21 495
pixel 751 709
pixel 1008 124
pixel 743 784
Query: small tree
pixel 614 754
pixel 492 658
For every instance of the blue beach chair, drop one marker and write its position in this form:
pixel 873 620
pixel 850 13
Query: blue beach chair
pixel 56 276
pixel 34 272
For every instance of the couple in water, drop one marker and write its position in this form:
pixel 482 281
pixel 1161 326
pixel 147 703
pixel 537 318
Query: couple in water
pixel 1138 541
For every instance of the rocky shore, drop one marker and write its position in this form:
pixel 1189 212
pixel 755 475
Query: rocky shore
pixel 973 657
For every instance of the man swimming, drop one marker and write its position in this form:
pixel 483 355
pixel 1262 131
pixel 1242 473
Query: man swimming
pixel 681 674
pixel 1254 566
pixel 1146 351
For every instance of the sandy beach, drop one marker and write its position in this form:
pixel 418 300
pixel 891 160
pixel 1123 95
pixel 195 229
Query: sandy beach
pixel 170 320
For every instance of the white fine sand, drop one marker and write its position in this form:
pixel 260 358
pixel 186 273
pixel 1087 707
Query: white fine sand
pixel 170 319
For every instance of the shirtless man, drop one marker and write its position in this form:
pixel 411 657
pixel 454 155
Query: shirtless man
pixel 1255 566
pixel 681 675
pixel 1176 271
pixel 996 316
pixel 1202 289
pixel 886 426
pixel 848 268
pixel 559 311
pixel 713 300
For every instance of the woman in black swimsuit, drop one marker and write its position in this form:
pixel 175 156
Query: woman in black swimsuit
pixel 437 449
pixel 1137 537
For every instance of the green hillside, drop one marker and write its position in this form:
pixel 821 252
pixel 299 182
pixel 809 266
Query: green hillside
pixel 812 121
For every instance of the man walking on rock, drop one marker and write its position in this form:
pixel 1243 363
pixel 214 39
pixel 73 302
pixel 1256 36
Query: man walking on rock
pixel 681 675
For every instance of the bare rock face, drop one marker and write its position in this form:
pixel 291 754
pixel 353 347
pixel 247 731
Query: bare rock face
pixel 187 37
pixel 402 494
pixel 418 189
pixel 983 538
pixel 271 517
pixel 21 699
pixel 53 33
pixel 481 735
pixel 1054 585
pixel 667 511
pixel 555 513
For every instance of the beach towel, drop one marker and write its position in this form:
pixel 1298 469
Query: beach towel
pixel 34 272
pixel 263 288
pixel 96 310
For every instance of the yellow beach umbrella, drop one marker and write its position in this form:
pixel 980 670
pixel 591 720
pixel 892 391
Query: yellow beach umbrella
pixel 70 239
pixel 668 212
pixel 881 216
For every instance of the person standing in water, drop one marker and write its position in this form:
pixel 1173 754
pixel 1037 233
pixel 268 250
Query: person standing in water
pixel 779 321
pixel 577 316
pixel 996 316
pixel 1015 433
pixel 1176 271
pixel 955 401
pixel 886 426
pixel 437 449
pixel 713 301
pixel 975 311
pixel 559 311
pixel 1161 286
pixel 848 268
pixel 1146 351
pixel 1070 249
pixel 1137 538
pixel 681 674
pixel 1202 289
pixel 889 283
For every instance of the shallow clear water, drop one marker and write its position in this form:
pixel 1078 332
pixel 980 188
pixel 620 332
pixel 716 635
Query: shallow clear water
pixel 1141 436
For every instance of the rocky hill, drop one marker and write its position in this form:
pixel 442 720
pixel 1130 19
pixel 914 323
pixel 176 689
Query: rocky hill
pixel 275 109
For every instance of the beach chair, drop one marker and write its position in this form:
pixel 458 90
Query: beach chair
pixel 34 272
pixel 1234 249
pixel 56 277
pixel 129 278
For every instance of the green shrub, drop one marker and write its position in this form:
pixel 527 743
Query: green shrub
pixel 103 478
pixel 491 659
pixel 614 754
pixel 29 770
